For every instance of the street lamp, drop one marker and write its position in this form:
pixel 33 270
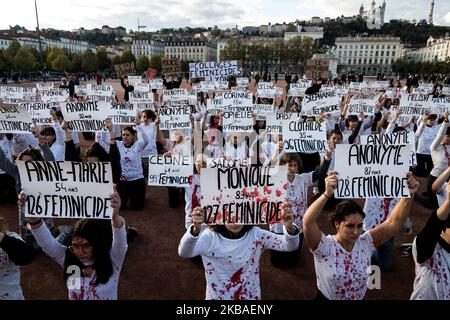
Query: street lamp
pixel 39 34
pixel 140 27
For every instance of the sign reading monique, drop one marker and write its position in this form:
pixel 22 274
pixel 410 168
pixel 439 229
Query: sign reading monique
pixel 64 189
pixel 372 171
pixel 243 195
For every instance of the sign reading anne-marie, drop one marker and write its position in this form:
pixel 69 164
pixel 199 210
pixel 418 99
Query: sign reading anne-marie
pixel 169 171
pixel 64 189
pixel 215 70
pixel 372 171
pixel 243 195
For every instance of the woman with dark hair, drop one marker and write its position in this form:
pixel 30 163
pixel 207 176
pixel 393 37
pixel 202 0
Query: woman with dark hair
pixel 431 253
pixel 14 252
pixel 132 183
pixel 214 132
pixel 342 261
pixel 93 261
pixel 150 128
pixel 231 254
pixel 192 193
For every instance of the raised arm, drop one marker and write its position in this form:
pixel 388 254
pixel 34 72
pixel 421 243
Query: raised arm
pixel 427 239
pixel 18 251
pixel 443 177
pixel 441 133
pixel 394 224
pixel 311 229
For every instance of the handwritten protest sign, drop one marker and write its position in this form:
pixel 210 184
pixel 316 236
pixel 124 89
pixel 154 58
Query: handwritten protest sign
pixel 171 67
pixel 58 189
pixel 134 80
pixel 14 119
pixel 243 195
pixel 372 171
pixel 40 86
pixel 215 70
pixel 85 116
pixel 12 94
pixel 424 88
pixel 141 87
pixel 156 84
pixel 363 102
pixel 54 95
pixel 227 163
pixel 317 68
pixel 298 89
pixel 242 82
pixel 315 104
pixel 40 112
pixel 104 90
pixel 268 90
pixel 440 105
pixel 310 136
pixel 175 97
pixel 238 119
pixel 122 113
pixel 262 110
pixel 151 73
pixel 274 122
pixel 396 138
pixel 414 105
pixel 214 106
pixel 174 118
pixel 125 69
pixel 172 171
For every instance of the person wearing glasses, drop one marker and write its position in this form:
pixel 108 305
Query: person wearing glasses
pixel 93 261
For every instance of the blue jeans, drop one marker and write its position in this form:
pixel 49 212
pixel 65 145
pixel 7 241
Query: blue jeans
pixel 383 255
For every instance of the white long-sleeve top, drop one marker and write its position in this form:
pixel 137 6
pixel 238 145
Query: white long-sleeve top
pixel 131 158
pixel 86 289
pixel 425 136
pixel 432 280
pixel 440 153
pixel 58 147
pixel 343 275
pixel 232 265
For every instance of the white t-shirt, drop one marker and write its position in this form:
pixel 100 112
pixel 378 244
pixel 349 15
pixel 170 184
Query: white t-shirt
pixel 150 131
pixel 86 290
pixel 241 152
pixel 426 138
pixel 297 195
pixel 9 276
pixel 432 280
pixel 131 160
pixel 232 265
pixel 377 210
pixel 343 275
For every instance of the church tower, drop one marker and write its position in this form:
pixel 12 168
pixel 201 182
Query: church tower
pixel 430 16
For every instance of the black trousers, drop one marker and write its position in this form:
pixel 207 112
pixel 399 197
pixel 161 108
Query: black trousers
pixel 134 191
pixel 286 259
pixel 8 192
pixel 424 165
pixel 310 161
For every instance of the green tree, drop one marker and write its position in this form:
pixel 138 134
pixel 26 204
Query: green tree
pixel 155 62
pixel 77 60
pixel 53 53
pixel 234 50
pixel 89 63
pixel 127 56
pixel 14 47
pixel 24 60
pixel 142 64
pixel 5 64
pixel 102 58
pixel 61 63
pixel 117 60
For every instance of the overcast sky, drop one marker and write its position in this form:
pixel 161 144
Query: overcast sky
pixel 156 14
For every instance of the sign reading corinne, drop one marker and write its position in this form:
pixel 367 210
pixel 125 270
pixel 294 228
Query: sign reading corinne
pixel 58 189
pixel 243 195
pixel 215 70
pixel 372 171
